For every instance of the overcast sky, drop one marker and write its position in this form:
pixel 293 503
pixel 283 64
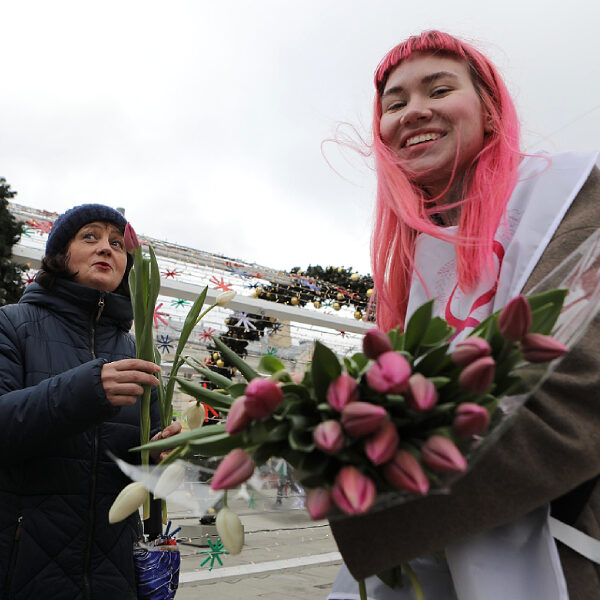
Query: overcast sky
pixel 205 120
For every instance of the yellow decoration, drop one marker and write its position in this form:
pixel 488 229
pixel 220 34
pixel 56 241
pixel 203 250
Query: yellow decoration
pixel 340 269
pixel 358 315
pixel 340 296
pixel 215 355
pixel 220 363
pixel 294 301
pixel 354 277
pixel 317 304
pixel 369 292
pixel 337 306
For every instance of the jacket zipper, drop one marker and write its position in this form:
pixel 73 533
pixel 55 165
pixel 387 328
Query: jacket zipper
pixel 91 515
pixel 13 557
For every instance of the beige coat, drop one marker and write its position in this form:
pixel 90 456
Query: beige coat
pixel 552 447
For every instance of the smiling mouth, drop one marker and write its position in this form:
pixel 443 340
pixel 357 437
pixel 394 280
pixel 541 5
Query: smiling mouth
pixel 421 138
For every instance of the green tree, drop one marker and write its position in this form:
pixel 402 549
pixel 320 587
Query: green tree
pixel 11 282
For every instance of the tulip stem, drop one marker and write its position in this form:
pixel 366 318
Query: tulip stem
pixel 362 588
pixel 415 582
pixel 225 499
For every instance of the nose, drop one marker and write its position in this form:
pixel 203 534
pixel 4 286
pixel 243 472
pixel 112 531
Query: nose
pixel 416 113
pixel 104 246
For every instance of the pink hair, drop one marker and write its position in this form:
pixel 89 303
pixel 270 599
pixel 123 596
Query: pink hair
pixel 401 208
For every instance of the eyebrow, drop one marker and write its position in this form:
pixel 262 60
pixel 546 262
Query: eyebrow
pixel 426 80
pixel 110 227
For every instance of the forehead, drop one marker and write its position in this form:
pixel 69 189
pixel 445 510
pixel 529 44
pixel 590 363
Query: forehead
pixel 417 66
pixel 111 228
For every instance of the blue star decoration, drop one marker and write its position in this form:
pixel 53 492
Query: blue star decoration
pixel 164 343
pixel 213 553
pixel 179 302
pixel 276 327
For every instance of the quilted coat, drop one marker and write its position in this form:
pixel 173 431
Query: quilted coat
pixel 550 453
pixel 57 481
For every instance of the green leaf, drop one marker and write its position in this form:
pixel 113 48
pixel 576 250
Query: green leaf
pixel 243 367
pixel 397 339
pixel 270 364
pixel 216 445
pixel 237 389
pixel 295 389
pixel 215 399
pixel 181 439
pixel 190 321
pixel 360 360
pixel 218 379
pixel 417 326
pixel 325 368
pixel 301 440
pixel 545 309
pixel 437 331
pixel 434 361
pixel 440 382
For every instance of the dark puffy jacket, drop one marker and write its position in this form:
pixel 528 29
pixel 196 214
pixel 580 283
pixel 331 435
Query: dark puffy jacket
pixel 56 481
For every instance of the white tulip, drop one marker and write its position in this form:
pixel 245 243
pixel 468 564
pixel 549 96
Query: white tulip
pixel 194 415
pixel 230 530
pixel 224 298
pixel 170 479
pixel 132 496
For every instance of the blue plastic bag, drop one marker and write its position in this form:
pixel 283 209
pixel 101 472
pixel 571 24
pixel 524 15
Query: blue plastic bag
pixel 156 570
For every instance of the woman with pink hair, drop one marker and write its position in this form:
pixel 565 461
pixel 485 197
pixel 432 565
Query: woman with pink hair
pixel 464 217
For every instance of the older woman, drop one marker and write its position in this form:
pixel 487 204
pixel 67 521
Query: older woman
pixel 464 217
pixel 69 387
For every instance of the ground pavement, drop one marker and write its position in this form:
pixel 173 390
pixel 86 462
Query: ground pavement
pixel 285 556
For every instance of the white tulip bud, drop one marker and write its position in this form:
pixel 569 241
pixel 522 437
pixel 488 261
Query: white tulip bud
pixel 131 497
pixel 230 530
pixel 170 479
pixel 224 298
pixel 194 415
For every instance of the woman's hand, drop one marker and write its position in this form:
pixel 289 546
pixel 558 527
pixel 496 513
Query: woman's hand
pixel 172 429
pixel 123 379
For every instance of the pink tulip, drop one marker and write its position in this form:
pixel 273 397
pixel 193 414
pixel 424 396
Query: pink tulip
pixel 130 239
pixel 515 319
pixel 353 493
pixel 376 342
pixel 478 376
pixel 329 436
pixel 538 348
pixel 469 350
pixel 442 456
pixel 421 394
pixel 238 417
pixel 262 398
pixel 382 445
pixel 342 391
pixel 234 469
pixel 470 419
pixel 318 503
pixel 362 418
pixel 405 472
pixel 389 373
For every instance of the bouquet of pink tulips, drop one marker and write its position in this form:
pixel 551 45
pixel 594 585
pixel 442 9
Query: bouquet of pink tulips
pixel 399 419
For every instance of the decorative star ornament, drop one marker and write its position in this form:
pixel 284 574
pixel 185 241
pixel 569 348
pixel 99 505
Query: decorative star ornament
pixel 158 316
pixel 179 302
pixel 214 553
pixel 220 284
pixel 206 335
pixel 276 327
pixel 172 274
pixel 244 321
pixel 271 350
pixel 164 343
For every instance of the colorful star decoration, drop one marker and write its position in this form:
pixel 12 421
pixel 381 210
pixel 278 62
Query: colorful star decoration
pixel 342 333
pixel 240 272
pixel 251 501
pixel 41 226
pixel 158 316
pixel 310 285
pixel 172 274
pixel 28 278
pixel 276 327
pixel 214 553
pixel 244 321
pixel 220 284
pixel 164 343
pixel 27 231
pixel 207 334
pixel 271 350
pixel 179 303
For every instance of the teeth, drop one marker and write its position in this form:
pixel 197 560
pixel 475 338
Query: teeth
pixel 423 137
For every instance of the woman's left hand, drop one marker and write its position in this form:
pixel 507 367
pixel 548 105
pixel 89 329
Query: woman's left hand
pixel 172 429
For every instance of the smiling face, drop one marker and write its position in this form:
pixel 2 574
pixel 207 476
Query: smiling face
pixel 432 116
pixel 97 256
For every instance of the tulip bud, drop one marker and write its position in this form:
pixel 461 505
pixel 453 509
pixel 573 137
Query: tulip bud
pixel 238 416
pixel 170 479
pixel 478 376
pixel 362 418
pixel 389 373
pixel 421 394
pixel 442 456
pixel 469 350
pixel 342 391
pixel 318 503
pixel 353 493
pixel 224 298
pixel 538 348
pixel 130 498
pixel 195 414
pixel 382 445
pixel 262 398
pixel 375 343
pixel 230 530
pixel 470 419
pixel 329 436
pixel 130 239
pixel 234 469
pixel 515 319
pixel 405 472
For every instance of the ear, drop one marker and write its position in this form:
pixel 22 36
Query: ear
pixel 487 123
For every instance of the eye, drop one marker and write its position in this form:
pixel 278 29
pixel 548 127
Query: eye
pixel 89 236
pixel 395 106
pixel 441 91
pixel 118 244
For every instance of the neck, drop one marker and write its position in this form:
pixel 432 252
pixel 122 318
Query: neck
pixel 444 197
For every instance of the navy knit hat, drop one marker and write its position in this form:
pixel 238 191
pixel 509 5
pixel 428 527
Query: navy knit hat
pixel 71 221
